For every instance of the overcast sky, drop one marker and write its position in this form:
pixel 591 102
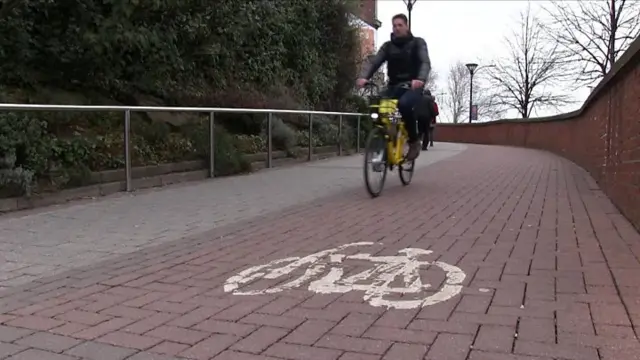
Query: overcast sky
pixel 467 31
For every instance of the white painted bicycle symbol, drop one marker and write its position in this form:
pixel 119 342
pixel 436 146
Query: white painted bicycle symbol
pixel 375 281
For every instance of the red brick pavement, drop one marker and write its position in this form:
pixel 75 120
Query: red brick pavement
pixel 552 273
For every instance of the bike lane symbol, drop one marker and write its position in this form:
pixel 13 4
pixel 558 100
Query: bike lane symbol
pixel 325 275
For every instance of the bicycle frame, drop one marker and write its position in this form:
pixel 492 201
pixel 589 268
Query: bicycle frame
pixel 396 138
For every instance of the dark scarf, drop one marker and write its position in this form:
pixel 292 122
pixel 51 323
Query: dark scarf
pixel 401 41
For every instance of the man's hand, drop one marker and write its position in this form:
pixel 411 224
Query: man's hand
pixel 361 82
pixel 417 84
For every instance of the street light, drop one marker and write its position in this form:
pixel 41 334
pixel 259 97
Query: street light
pixel 472 68
pixel 409 4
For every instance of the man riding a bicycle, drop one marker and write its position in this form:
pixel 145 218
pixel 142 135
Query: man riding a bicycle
pixel 408 62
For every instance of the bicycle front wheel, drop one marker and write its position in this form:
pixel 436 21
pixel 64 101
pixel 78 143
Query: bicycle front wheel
pixel 405 170
pixel 375 162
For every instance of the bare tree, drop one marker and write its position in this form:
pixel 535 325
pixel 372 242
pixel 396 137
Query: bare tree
pixel 431 82
pixel 593 33
pixel 525 79
pixel 456 97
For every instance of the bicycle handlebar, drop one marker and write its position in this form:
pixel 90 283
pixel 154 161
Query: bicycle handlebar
pixel 404 85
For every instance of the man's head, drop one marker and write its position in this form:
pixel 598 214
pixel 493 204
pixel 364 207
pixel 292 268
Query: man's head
pixel 400 25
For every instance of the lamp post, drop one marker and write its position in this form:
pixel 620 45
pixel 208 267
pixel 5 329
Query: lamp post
pixel 472 68
pixel 409 4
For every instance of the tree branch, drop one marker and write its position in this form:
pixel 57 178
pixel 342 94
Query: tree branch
pixel 522 80
pixel 456 99
pixel 589 33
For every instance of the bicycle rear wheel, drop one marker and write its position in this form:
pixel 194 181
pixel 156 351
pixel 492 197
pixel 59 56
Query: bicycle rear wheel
pixel 375 162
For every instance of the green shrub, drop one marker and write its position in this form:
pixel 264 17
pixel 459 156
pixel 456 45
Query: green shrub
pixel 298 54
pixel 283 136
pixel 68 164
pixel 108 152
pixel 228 160
pixel 24 151
pixel 348 137
pixel 183 48
pixel 14 181
pixel 303 139
pixel 32 155
pixel 250 124
pixel 176 148
pixel 155 133
pixel 327 130
pixel 251 144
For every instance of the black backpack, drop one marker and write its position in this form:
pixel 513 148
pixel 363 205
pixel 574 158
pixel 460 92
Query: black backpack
pixel 425 108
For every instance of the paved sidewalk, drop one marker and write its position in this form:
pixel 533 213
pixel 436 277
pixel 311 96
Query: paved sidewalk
pixel 57 239
pixel 548 269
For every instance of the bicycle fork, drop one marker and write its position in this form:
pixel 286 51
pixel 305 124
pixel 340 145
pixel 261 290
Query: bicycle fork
pixel 395 144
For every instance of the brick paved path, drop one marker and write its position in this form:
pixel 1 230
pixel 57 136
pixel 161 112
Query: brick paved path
pixel 551 273
pixel 53 240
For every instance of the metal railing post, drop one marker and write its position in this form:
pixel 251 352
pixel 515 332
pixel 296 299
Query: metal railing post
pixel 269 139
pixel 127 150
pixel 212 144
pixel 127 136
pixel 339 135
pixel 358 135
pixel 310 155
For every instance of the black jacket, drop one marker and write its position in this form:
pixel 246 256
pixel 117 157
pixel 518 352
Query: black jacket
pixel 407 59
pixel 425 108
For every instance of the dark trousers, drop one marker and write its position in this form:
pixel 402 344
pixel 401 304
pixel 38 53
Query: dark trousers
pixel 428 135
pixel 423 126
pixel 407 100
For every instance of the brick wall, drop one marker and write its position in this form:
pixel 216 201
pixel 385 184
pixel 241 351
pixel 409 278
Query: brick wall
pixel 603 136
pixel 367 11
pixel 367 41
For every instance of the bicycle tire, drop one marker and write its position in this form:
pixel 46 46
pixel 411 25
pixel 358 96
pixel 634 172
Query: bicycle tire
pixel 370 147
pixel 406 168
pixel 406 174
pixel 405 171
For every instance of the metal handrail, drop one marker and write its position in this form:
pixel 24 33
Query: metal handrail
pixel 52 107
pixel 210 110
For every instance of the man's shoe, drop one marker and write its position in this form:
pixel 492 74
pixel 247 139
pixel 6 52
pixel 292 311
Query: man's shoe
pixel 414 150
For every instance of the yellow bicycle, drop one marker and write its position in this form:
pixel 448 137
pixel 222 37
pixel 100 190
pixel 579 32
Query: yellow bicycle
pixel 386 145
